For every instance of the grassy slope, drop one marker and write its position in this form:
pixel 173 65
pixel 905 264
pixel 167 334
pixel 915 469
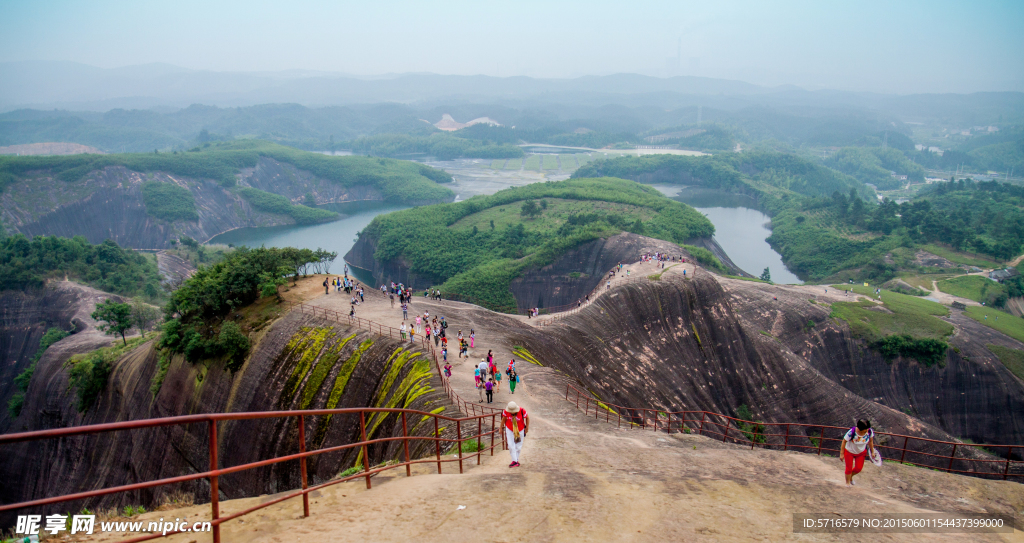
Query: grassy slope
pixel 905 315
pixel 1013 359
pixel 972 287
pixel 998 320
pixel 550 219
pixel 399 181
pixel 439 240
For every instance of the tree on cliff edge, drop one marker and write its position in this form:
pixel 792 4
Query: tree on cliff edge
pixel 766 276
pixel 116 318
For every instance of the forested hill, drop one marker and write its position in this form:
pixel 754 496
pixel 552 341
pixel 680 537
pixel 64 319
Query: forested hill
pixel 829 226
pixel 398 181
pixel 737 172
pixel 148 200
pixel 478 246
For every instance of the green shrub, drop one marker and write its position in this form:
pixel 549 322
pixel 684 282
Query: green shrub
pixel 89 377
pixel 233 344
pixel 926 351
pixel 169 202
pixel 275 203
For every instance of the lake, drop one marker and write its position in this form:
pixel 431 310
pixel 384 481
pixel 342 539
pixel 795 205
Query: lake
pixel 739 229
pixel 337 236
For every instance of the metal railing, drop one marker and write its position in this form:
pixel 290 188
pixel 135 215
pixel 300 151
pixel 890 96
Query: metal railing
pixel 475 412
pixel 988 461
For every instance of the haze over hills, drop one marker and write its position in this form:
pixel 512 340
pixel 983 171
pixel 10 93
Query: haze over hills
pixel 70 85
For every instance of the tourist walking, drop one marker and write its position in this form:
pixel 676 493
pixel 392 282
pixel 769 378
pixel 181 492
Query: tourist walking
pixel 447 369
pixel 472 336
pixel 857 443
pixel 513 380
pixel 402 330
pixel 497 380
pixel 517 424
pixel 327 287
pixel 489 389
pixel 405 311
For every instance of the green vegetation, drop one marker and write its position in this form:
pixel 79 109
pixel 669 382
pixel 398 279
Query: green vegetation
pixel 441 145
pixel 753 431
pixel 550 162
pixel 708 137
pixel 514 164
pixel 568 162
pixel 115 318
pixel 275 203
pixel 89 371
pixel 195 313
pixel 532 162
pixel 901 326
pixel 398 181
pixel 169 202
pixel 21 382
pixel 926 351
pixel 28 263
pixel 481 262
pixel 998 320
pixel 876 165
pixel 977 288
pixel 1013 359
pixel 822 225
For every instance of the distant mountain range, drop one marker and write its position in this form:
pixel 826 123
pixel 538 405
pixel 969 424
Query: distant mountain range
pixel 68 85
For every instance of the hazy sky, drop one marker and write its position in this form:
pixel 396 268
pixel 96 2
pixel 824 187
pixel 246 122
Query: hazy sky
pixel 889 46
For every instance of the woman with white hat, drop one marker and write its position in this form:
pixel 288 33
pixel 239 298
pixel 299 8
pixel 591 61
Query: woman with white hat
pixel 517 423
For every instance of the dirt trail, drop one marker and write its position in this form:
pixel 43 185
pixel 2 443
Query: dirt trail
pixel 586 480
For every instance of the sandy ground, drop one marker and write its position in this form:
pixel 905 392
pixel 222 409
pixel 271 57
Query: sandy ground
pixel 583 479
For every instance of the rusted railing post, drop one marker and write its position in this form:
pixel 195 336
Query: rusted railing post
pixel 618 416
pixel 656 422
pixel 437 445
pixel 821 439
pixel 1006 470
pixel 493 429
pixel 405 443
pixel 577 399
pixel 726 434
pixel 567 392
pixel 950 466
pixel 366 453
pixel 586 407
pixel 786 447
pixel 905 440
pixel 458 431
pixel 214 490
pixel 302 465
pixel 479 445
pixel 703 415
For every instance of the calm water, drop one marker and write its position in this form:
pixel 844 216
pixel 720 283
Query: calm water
pixel 334 236
pixel 740 230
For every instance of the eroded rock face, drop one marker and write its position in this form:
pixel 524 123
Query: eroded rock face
pixel 688 344
pixel 108 204
pixel 299 362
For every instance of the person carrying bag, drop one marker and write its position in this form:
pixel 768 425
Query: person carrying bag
pixel 517 424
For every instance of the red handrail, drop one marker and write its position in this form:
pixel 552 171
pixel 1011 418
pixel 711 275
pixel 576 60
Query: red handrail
pixel 756 434
pixel 473 412
pixel 214 472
